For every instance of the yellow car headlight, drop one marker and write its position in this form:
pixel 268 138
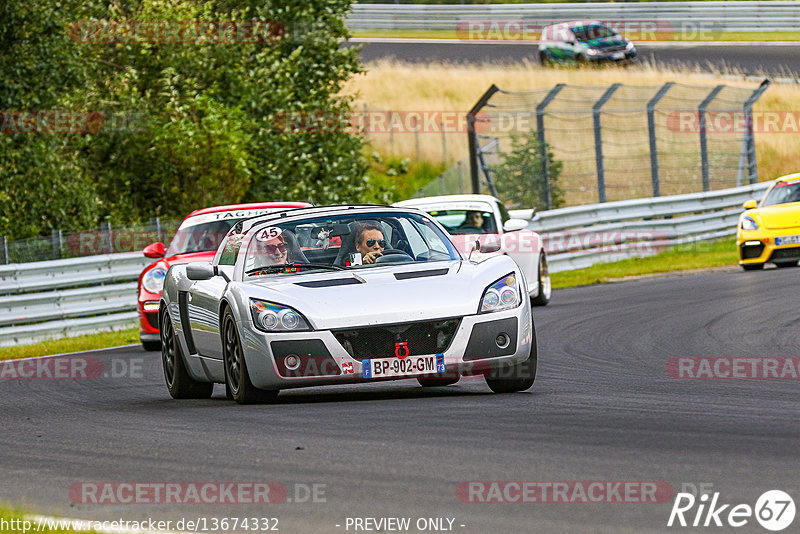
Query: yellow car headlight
pixel 749 224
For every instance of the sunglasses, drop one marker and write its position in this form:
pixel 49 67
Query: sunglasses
pixel 275 249
pixel 381 242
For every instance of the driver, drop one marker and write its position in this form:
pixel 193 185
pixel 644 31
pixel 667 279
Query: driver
pixel 473 218
pixel 370 242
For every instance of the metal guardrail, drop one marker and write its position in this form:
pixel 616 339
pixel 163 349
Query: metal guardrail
pixel 704 16
pixel 582 236
pixel 61 298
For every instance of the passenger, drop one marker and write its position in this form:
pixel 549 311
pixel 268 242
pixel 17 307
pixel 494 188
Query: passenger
pixel 370 242
pixel 271 252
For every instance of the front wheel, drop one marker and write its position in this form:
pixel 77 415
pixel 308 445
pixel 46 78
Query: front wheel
pixel 237 379
pixel 545 287
pixel 179 383
pixel 544 59
pixel 516 377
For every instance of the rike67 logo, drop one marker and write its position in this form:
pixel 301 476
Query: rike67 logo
pixel 774 510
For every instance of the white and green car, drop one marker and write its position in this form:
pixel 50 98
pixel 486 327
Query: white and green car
pixel 584 42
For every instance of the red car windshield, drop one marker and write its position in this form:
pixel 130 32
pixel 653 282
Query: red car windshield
pixel 202 237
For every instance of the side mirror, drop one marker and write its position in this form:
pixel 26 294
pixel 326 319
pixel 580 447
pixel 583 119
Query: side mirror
pixel 512 225
pixel 490 246
pixel 154 250
pixel 749 205
pixel 202 270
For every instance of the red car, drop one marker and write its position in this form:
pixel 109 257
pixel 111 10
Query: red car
pixel 197 239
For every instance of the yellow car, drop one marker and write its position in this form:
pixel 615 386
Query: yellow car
pixel 770 231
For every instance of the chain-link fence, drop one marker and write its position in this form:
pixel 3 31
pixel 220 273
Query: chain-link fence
pixel 608 143
pixel 105 240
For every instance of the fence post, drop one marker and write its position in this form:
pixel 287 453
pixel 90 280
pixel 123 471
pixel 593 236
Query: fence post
pixel 752 167
pixel 598 141
pixel 5 251
pixel 444 143
pixel 56 239
pixel 158 230
pixel 460 179
pixel 105 229
pixel 701 113
pixel 547 197
pixel 472 139
pixel 651 130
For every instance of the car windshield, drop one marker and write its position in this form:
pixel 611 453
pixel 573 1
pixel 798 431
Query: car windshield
pixel 344 242
pixel 463 221
pixel 204 232
pixel 591 32
pixel 783 193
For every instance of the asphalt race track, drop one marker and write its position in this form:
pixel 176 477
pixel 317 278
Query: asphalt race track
pixel 603 409
pixel 748 59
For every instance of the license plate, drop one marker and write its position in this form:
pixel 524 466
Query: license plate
pixel 788 240
pixel 408 366
pixel 618 55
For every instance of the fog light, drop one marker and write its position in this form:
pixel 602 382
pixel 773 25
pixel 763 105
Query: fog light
pixel 502 340
pixel 752 243
pixel 292 362
pixel 150 306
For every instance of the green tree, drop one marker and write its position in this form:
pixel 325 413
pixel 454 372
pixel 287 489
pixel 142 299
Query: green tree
pixel 520 179
pixel 42 183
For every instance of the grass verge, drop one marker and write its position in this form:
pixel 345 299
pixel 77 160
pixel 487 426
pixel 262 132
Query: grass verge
pixel 678 258
pixel 534 37
pixel 100 340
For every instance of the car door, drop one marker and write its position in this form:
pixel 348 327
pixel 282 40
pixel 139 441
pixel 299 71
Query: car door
pixel 205 297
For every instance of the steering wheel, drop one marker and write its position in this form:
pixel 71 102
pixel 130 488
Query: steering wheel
pixel 393 255
pixel 468 229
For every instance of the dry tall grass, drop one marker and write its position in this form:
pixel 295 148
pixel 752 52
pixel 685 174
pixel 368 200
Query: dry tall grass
pixel 391 85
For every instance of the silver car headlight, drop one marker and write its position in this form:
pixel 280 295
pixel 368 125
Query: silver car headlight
pixel 153 280
pixel 271 317
pixel 501 295
pixel 749 224
pixel 629 46
pixel 593 51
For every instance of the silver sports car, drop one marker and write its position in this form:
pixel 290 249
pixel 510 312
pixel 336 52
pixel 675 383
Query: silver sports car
pixel 338 295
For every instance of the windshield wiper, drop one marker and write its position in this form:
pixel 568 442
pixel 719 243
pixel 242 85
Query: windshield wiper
pixel 299 265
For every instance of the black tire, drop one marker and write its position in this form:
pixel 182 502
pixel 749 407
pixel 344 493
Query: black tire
pixel 151 346
pixel 785 264
pixel 179 383
pixel 436 382
pixel 545 287
pixel 580 60
pixel 237 379
pixel 517 377
pixel 544 59
pixel 752 266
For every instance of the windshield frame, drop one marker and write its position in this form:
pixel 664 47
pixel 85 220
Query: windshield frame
pixel 377 213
